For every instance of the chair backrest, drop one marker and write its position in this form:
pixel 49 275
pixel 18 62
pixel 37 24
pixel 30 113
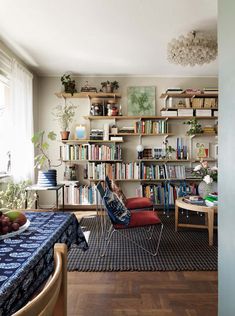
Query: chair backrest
pixel 100 189
pixel 108 183
pixel 52 300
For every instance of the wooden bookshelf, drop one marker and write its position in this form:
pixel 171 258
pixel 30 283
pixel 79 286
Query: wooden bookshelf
pixel 142 134
pixel 91 117
pixel 86 141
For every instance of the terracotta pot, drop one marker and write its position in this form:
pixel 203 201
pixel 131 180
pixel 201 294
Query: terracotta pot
pixel 64 135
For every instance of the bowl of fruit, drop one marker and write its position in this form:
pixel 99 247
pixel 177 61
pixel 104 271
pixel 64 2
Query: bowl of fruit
pixel 12 223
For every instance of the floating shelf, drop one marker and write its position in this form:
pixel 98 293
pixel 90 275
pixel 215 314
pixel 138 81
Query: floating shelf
pixel 145 180
pixel 189 95
pixel 80 95
pixel 90 160
pixel 91 117
pixel 191 108
pixel 142 134
pixel 85 141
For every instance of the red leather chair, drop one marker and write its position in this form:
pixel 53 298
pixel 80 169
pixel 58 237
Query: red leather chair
pixel 133 203
pixel 139 219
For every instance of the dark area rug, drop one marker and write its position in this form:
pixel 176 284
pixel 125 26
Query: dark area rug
pixel 185 250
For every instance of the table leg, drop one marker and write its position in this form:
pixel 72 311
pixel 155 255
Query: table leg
pixel 210 226
pixel 176 217
pixel 57 200
pixel 63 197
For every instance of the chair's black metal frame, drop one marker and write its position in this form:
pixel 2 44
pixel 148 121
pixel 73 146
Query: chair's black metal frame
pixel 106 228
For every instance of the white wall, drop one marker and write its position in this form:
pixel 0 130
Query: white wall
pixel 226 161
pixel 47 101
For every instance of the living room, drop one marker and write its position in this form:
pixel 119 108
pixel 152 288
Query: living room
pixel 155 134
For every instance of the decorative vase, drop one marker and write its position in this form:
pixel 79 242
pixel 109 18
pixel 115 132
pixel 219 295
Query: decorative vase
pixel 205 189
pixel 47 178
pixel 64 135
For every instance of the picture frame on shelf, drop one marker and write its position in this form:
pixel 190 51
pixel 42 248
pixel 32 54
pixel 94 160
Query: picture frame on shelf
pixel 202 150
pixel 141 100
pixel 157 152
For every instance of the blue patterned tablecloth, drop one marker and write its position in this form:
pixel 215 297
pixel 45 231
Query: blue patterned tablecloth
pixel 26 260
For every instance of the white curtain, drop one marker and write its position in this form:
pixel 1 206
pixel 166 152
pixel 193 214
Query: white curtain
pixel 22 151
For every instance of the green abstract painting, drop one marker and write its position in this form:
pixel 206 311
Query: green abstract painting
pixel 141 101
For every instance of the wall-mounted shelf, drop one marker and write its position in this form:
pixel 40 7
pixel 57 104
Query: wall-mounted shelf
pixel 90 117
pixel 142 134
pixel 80 95
pixel 87 141
pixel 189 95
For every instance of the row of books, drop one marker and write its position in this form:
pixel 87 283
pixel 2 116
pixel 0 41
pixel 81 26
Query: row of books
pixel 79 194
pixel 161 194
pixel 91 152
pixel 190 112
pixel 151 127
pixel 207 90
pixel 134 170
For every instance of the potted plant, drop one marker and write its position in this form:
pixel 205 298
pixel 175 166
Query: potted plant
pixel 108 86
pixel 46 177
pixel 68 83
pixel 14 196
pixel 195 127
pixel 64 115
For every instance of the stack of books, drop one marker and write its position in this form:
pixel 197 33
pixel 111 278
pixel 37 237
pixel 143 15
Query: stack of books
pixel 210 90
pixel 185 112
pixel 212 199
pixel 194 199
pixel 174 90
pixel 97 134
pixel 208 129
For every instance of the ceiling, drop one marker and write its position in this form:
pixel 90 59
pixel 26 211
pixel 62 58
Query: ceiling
pixel 104 37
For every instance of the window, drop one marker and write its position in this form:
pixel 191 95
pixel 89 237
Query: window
pixel 5 121
pixel 5 129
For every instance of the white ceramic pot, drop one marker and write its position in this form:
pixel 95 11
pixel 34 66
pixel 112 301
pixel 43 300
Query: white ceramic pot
pixel 205 189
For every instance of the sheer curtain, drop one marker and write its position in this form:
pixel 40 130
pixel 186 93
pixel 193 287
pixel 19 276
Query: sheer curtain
pixel 22 151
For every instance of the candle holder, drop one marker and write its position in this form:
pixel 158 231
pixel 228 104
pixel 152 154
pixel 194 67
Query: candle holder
pixel 80 132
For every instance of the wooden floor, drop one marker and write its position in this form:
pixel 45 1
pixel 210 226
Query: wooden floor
pixel 142 293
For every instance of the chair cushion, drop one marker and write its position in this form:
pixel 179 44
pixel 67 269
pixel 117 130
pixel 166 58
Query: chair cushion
pixel 116 209
pixel 141 218
pixel 138 203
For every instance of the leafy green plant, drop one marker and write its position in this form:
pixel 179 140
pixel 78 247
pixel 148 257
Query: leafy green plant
pixel 195 127
pixel 15 195
pixel 68 83
pixel 113 84
pixel 64 114
pixel 42 160
pixel 168 149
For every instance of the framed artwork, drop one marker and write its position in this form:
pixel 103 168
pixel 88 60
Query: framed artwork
pixel 202 150
pixel 157 152
pixel 141 101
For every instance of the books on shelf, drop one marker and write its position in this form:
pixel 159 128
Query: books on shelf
pixel 197 102
pixel 83 194
pixel 185 112
pixel 91 152
pixel 215 113
pixel 151 127
pixel 134 170
pixel 175 90
pixel 203 112
pixel 210 90
pixel 127 129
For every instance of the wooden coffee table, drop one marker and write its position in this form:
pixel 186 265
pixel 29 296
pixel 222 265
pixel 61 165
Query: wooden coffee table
pixel 209 218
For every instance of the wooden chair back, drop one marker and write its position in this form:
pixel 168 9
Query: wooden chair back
pixel 52 300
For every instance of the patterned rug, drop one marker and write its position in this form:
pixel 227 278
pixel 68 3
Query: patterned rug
pixel 185 250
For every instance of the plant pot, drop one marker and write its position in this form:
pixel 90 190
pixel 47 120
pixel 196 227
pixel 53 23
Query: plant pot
pixel 47 178
pixel 64 135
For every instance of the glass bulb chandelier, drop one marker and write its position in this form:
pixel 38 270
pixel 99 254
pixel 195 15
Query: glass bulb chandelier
pixel 193 49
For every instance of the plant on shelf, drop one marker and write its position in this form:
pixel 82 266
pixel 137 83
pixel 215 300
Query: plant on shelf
pixel 46 177
pixel 68 83
pixel 64 114
pixel 195 127
pixel 14 196
pixel 168 150
pixel 108 86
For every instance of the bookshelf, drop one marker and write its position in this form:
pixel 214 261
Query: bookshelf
pixel 129 138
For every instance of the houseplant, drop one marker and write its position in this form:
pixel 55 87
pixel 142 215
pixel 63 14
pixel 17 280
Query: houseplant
pixel 209 177
pixel 108 86
pixel 14 196
pixel 68 83
pixel 64 115
pixel 195 127
pixel 46 177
